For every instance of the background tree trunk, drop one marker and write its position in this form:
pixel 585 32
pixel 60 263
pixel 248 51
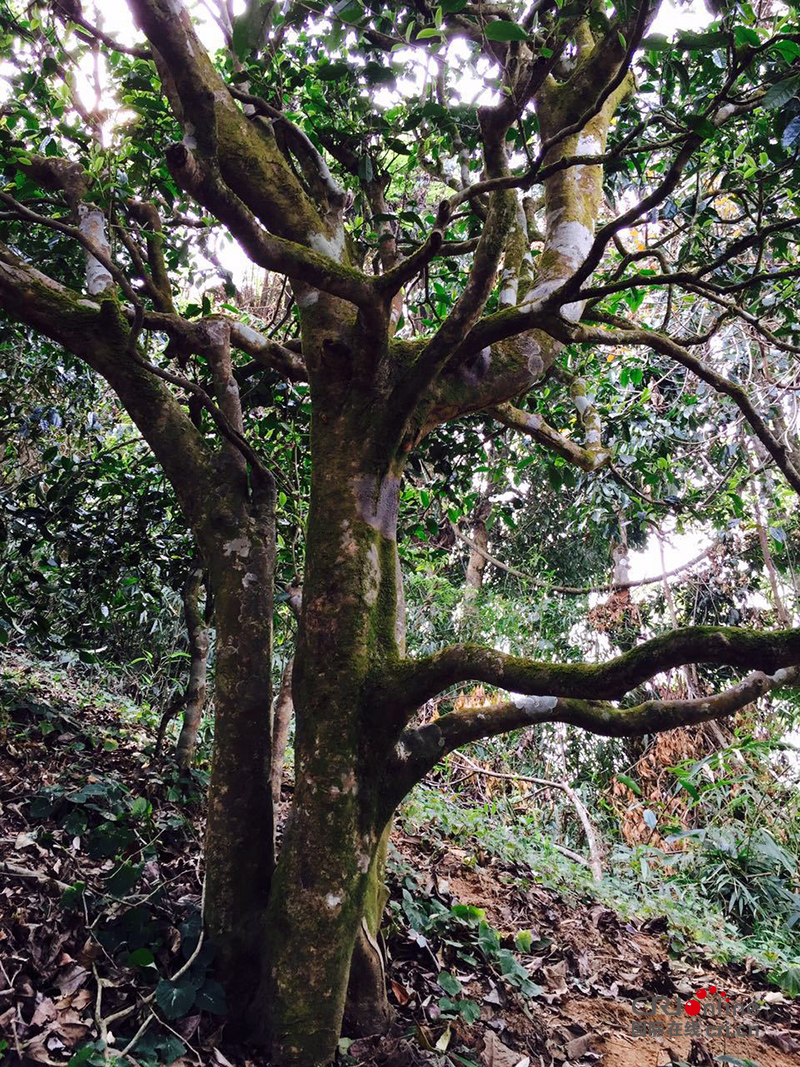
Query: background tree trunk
pixel 195 697
pixel 281 719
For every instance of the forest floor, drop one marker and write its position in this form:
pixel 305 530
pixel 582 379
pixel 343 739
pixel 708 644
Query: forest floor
pixel 100 895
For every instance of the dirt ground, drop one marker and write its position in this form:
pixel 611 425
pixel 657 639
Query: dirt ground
pixel 72 975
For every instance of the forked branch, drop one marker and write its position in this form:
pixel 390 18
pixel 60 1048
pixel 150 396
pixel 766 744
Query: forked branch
pixel 420 748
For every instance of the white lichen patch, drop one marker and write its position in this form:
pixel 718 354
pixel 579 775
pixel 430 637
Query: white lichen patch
pixel 217 331
pixel 723 113
pixel 93 227
pixel 249 579
pixel 532 704
pixel 532 352
pixel 333 247
pixel 372 577
pixel 248 336
pixel 536 296
pixel 402 751
pixel 588 145
pixel 239 546
pixel 363 862
pixel 377 501
pixel 510 286
pixel 308 297
pixel 572 241
pixel 189 136
pixel 332 900
pixel 348 545
pixel 572 312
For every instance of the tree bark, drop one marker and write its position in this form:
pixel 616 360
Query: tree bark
pixel 367 1010
pixel 195 696
pixel 476 564
pixel 333 851
pixel 281 718
pixel 239 545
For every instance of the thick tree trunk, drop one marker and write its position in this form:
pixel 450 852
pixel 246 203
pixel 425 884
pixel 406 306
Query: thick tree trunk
pixel 334 846
pixel 240 551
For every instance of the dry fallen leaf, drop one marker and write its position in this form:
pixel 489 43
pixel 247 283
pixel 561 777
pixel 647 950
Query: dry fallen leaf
pixel 45 1012
pixel 400 992
pixel 579 1046
pixel 496 1054
pixel 71 980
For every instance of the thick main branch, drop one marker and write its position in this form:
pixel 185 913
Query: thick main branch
pixel 411 682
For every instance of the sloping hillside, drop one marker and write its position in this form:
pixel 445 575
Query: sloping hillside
pixel 100 947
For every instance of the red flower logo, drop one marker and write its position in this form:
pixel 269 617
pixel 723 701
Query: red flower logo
pixel 694 1006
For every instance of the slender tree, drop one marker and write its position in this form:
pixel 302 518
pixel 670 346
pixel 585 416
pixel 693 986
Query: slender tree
pixel 442 246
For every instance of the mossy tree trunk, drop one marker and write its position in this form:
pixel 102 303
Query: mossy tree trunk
pixel 333 850
pixel 239 850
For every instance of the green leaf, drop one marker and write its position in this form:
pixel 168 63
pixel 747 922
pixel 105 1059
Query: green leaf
pixel 700 124
pixel 469 1010
pixel 488 939
pixel 744 36
pixel 350 12
pixel 690 788
pixel 141 957
pixel 449 983
pixel 656 42
pixel 782 92
pixel 500 30
pixel 140 806
pixel 629 782
pixel 71 898
pixel 83 1055
pixel 175 998
pixel 523 940
pixel 378 74
pixel 124 878
pixel 211 997
pixel 331 72
pixel 240 40
pixel 700 42
pixel 789 980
